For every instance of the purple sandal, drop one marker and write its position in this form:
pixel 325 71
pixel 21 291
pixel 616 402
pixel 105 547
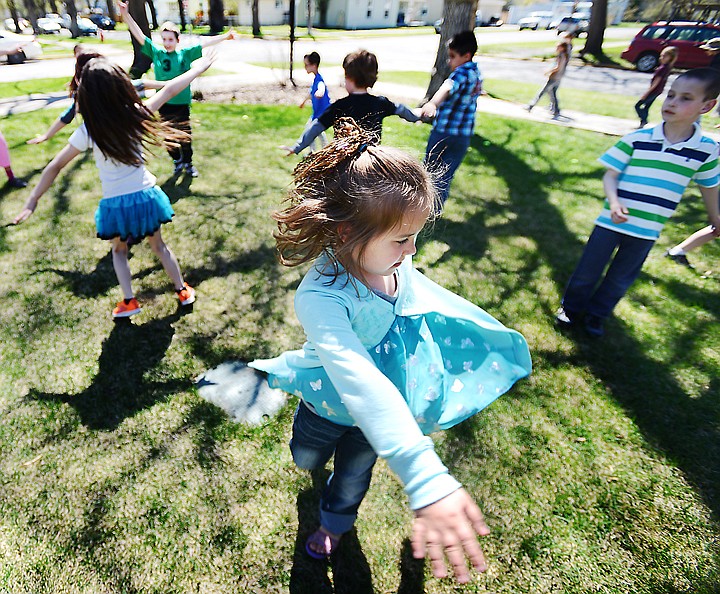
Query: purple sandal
pixel 321 540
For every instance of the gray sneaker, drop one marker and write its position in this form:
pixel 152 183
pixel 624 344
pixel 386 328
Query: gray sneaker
pixel 191 170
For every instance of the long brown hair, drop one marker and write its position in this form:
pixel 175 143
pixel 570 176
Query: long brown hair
pixel 347 194
pixel 115 117
pixel 82 57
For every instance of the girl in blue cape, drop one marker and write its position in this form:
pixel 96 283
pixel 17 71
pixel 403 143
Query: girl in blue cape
pixel 390 356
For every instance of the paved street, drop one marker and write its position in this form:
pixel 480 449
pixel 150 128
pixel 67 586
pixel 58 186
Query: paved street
pixel 402 52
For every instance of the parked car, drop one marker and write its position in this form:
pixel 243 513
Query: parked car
pixel 86 27
pixel 554 24
pixel 536 20
pixel 102 21
pixel 479 22
pixel 687 37
pixel 48 26
pixel 574 25
pixel 30 49
pixel 25 26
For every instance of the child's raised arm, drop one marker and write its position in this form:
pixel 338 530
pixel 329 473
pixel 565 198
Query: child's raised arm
pixel 177 84
pixel 133 27
pixel 215 39
pixel 48 176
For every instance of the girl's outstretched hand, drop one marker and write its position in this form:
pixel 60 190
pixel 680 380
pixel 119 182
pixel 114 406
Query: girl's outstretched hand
pixel 449 527
pixel 26 212
pixel 123 6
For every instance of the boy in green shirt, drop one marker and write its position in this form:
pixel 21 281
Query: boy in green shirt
pixel 169 61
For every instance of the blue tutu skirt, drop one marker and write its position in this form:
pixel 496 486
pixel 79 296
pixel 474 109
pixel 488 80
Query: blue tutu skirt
pixel 447 370
pixel 139 214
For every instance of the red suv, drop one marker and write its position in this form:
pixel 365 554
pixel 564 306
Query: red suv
pixel 687 37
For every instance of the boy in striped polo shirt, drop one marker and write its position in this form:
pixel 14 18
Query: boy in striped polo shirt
pixel 453 106
pixel 648 171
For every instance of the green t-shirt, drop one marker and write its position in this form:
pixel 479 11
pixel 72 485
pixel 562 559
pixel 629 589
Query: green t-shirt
pixel 168 65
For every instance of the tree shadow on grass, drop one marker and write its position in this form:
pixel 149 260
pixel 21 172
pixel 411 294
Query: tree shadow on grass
pixel 120 389
pixel 684 428
pixel 350 569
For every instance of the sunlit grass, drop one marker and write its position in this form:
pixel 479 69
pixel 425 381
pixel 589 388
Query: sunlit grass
pixel 599 473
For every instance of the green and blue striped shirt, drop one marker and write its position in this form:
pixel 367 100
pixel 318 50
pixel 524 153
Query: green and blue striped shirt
pixel 653 176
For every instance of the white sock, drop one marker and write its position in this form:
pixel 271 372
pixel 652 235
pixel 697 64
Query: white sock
pixel 676 251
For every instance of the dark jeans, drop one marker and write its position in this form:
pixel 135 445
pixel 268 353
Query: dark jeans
pixel 583 293
pixel 178 116
pixel 443 156
pixel 642 107
pixel 314 441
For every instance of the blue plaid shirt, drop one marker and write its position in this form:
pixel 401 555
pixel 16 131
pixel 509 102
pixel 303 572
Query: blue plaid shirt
pixel 456 115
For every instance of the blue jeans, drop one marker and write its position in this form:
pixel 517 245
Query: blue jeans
pixel 583 293
pixel 314 441
pixel 443 156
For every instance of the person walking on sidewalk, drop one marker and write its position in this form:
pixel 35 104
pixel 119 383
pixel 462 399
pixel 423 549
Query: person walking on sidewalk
pixel 554 74
pixel 668 57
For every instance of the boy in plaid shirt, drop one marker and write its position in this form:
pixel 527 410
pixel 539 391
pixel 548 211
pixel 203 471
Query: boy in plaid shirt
pixel 453 107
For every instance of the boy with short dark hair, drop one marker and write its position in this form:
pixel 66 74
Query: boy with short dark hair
pixel 361 70
pixel 453 106
pixel 169 61
pixel 648 171
pixel 318 95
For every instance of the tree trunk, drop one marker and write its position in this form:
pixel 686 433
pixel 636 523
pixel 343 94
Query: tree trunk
pixel 141 63
pixel 32 14
pixel 596 30
pixel 111 10
pixel 216 16
pixel 309 17
pixel 256 19
pixel 14 15
pixel 322 6
pixel 153 14
pixel 291 18
pixel 457 16
pixel 72 13
pixel 183 20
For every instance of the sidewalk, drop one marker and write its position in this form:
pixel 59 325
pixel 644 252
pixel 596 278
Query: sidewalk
pixel 247 75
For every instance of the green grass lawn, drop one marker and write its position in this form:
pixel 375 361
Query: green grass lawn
pixel 599 473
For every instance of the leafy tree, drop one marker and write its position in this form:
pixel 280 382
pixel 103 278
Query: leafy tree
pixel 458 15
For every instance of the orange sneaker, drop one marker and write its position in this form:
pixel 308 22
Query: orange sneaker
pixel 125 310
pixel 186 295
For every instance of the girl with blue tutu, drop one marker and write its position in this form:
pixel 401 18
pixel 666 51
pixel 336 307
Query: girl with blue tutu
pixel 390 356
pixel 116 126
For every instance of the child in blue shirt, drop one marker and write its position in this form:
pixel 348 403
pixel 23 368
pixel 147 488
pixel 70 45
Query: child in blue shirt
pixel 453 106
pixel 389 355
pixel 318 95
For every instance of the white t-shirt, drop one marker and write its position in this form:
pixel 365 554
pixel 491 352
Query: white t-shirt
pixel 116 178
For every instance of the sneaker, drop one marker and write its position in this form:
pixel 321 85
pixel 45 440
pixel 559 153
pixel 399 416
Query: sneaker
pixel 125 310
pixel 563 318
pixel 186 295
pixel 16 182
pixel 679 259
pixel 179 167
pixel 528 108
pixel 191 170
pixel 594 326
